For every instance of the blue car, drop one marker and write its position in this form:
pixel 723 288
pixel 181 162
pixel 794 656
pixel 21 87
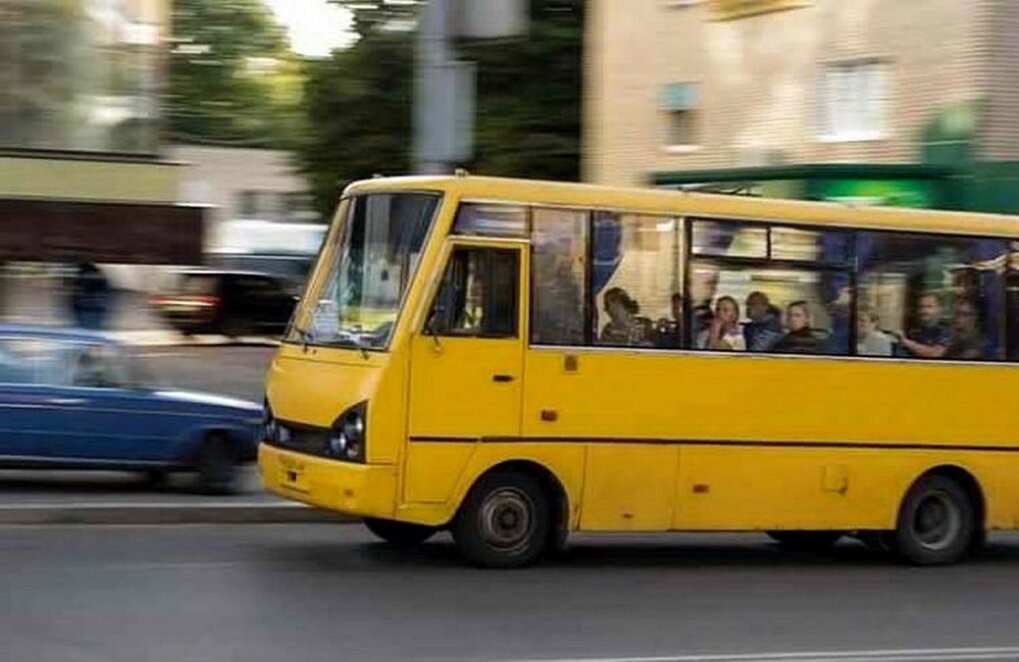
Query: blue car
pixel 73 399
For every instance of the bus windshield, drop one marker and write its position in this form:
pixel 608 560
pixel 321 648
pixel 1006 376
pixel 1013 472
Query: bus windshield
pixel 365 266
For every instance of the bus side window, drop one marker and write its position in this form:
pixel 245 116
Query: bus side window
pixel 478 296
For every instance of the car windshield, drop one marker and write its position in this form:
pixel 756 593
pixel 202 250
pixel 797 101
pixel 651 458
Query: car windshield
pixel 367 262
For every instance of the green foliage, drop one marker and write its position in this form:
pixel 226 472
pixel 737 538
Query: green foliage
pixel 233 80
pixel 528 104
pixel 359 117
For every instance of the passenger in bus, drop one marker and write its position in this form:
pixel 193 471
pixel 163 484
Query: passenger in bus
pixel 871 341
pixel 624 327
pixel 801 338
pixel 669 332
pixel 966 341
pixel 724 332
pixel 931 338
pixel 764 330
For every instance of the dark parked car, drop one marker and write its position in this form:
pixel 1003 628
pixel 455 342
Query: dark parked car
pixel 232 303
pixel 74 399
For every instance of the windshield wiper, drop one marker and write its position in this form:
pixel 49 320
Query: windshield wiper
pixel 305 335
pixel 355 340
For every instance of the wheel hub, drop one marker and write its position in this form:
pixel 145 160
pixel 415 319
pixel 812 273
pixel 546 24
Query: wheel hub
pixel 507 518
pixel 937 521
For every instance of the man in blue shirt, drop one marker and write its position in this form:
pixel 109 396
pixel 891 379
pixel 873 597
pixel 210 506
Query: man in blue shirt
pixel 764 330
pixel 929 340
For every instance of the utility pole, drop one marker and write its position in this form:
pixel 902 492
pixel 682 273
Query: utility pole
pixel 444 87
pixel 443 94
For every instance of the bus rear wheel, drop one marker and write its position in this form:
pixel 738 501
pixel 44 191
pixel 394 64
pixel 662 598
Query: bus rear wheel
pixel 504 522
pixel 937 522
pixel 806 541
pixel 399 534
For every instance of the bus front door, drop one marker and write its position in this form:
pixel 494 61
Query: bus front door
pixel 466 368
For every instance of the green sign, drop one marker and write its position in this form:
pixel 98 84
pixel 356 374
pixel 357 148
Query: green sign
pixel 885 193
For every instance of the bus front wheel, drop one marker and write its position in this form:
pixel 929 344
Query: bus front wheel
pixel 399 534
pixel 937 522
pixel 504 522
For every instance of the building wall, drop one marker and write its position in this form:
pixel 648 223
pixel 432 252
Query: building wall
pixel 217 176
pixel 759 77
pixel 999 27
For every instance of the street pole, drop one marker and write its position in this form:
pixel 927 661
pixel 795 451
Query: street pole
pixel 433 100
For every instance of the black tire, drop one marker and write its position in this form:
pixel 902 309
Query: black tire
pixel 504 522
pixel 399 534
pixel 154 478
pixel 217 471
pixel 806 541
pixel 936 523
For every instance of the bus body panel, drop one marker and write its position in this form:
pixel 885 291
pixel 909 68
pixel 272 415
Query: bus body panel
pixel 316 386
pixel 433 469
pixel 363 490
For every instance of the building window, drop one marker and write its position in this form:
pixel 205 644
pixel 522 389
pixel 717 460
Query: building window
pixel 853 101
pixel 679 105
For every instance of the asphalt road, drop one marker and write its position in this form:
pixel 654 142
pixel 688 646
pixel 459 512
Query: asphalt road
pixel 329 592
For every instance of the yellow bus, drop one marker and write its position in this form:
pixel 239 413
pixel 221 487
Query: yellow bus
pixel 542 358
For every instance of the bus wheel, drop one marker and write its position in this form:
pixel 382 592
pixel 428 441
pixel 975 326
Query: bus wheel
pixel 936 523
pixel 504 521
pixel 399 534
pixel 807 541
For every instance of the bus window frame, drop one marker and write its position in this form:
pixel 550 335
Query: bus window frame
pixel 451 245
pixel 687 219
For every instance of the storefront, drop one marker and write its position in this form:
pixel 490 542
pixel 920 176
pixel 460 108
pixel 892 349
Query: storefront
pixel 906 185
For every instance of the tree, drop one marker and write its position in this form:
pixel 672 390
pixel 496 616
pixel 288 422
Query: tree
pixel 359 122
pixel 528 99
pixel 233 80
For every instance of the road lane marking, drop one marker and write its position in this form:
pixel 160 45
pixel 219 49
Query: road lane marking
pixel 892 655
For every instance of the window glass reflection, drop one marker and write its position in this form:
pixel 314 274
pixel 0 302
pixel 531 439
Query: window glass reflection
pixel 932 297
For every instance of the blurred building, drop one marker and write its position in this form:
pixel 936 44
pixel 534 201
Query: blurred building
pixel 260 213
pixel 879 101
pixel 82 172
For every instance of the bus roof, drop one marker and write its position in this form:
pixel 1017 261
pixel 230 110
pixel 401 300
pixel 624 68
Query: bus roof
pixel 650 200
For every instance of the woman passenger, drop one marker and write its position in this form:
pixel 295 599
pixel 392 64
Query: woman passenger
pixel 800 339
pixel 724 333
pixel 623 327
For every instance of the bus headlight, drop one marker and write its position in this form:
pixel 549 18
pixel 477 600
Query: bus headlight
pixel 347 438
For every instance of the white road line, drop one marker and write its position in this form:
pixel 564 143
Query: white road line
pixel 904 655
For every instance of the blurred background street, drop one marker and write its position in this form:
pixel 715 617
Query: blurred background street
pixel 168 173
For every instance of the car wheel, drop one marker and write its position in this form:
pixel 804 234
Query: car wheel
pixel 504 521
pixel 806 541
pixel 155 477
pixel 217 471
pixel 936 523
pixel 399 534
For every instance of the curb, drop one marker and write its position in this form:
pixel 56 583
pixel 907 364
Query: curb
pixel 238 513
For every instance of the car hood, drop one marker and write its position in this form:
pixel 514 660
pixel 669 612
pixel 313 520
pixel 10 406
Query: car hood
pixel 208 400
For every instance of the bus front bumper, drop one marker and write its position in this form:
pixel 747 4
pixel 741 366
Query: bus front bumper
pixel 353 489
